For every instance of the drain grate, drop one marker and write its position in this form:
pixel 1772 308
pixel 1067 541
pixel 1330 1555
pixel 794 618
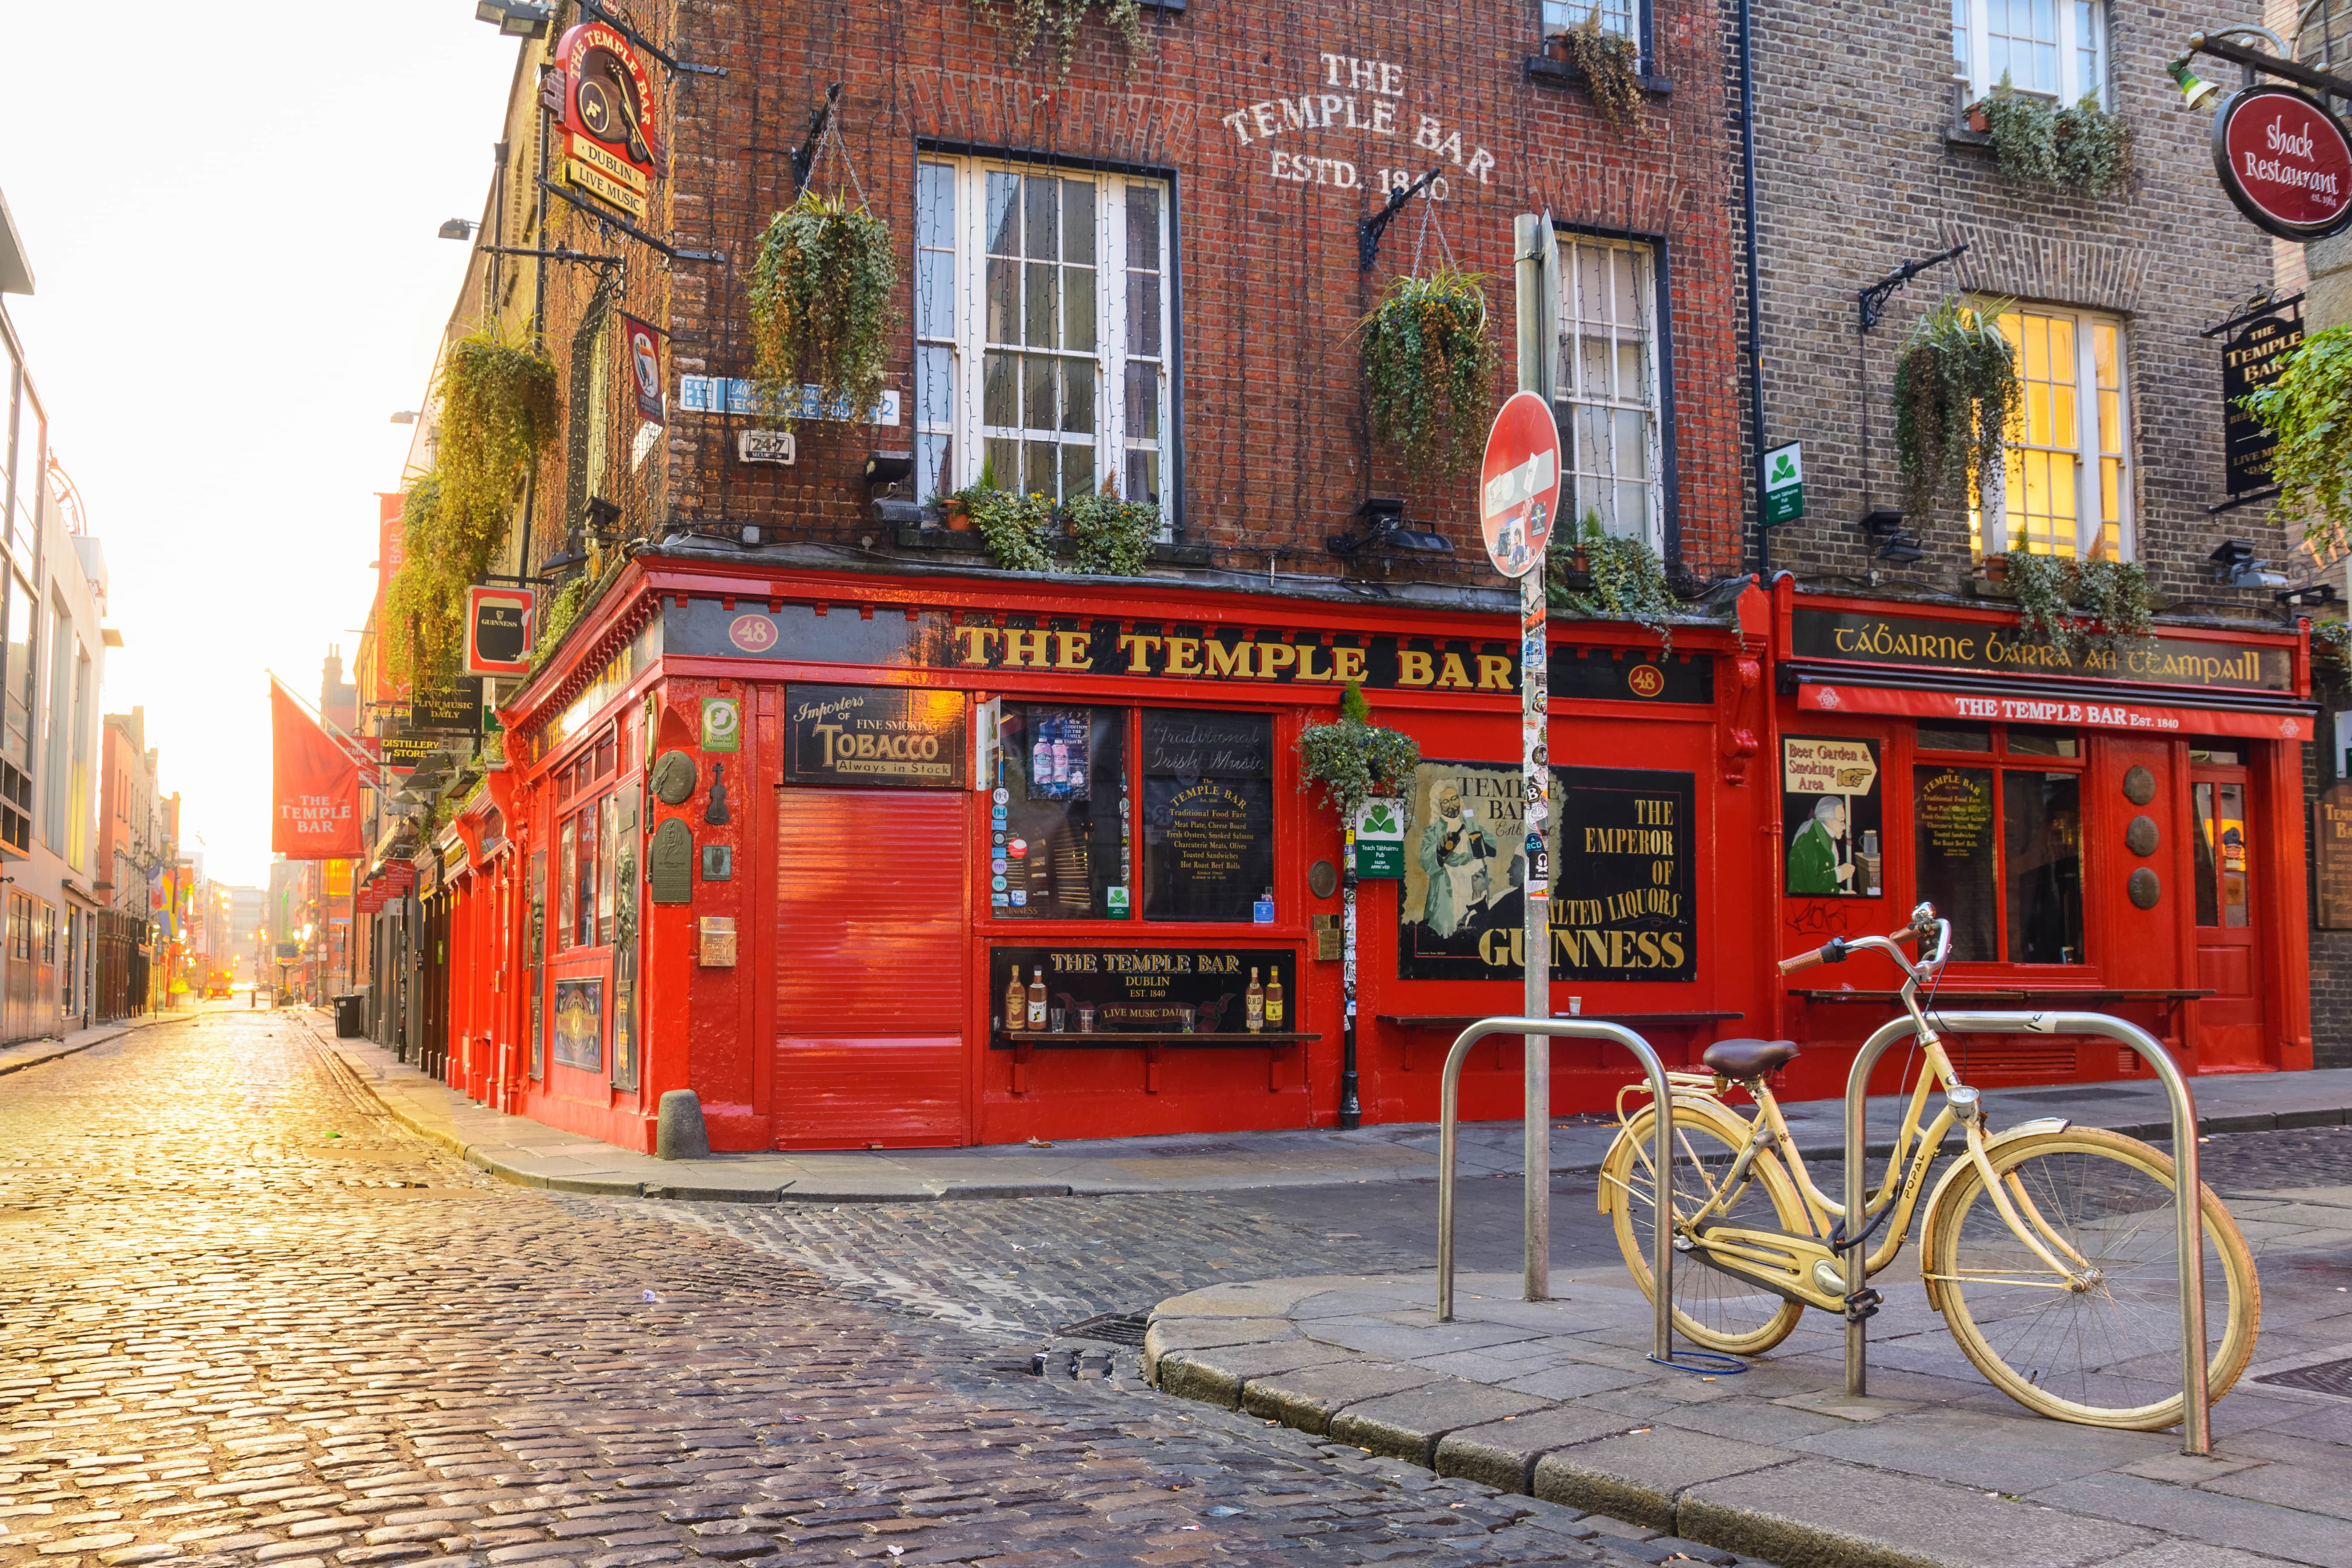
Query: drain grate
pixel 2328 1377
pixel 1111 1328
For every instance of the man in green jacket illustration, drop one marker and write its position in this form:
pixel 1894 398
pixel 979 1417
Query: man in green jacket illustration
pixel 1814 869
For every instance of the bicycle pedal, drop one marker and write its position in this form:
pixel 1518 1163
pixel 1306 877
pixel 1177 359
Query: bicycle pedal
pixel 1862 1306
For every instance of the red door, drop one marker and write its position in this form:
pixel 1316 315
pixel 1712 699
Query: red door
pixel 2230 1022
pixel 871 991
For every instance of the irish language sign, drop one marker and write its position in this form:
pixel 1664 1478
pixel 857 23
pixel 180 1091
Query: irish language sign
pixel 1944 643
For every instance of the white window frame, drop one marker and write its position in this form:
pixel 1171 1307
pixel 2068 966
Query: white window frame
pixel 1621 17
pixel 965 339
pixel 1572 395
pixel 2089 449
pixel 1971 23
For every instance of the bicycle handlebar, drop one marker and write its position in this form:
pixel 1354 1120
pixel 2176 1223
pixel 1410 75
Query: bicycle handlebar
pixel 1923 922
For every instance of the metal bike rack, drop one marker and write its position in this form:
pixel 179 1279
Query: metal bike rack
pixel 1661 1257
pixel 2196 1427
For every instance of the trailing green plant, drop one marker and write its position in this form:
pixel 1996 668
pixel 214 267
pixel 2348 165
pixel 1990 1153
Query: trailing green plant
pixel 1429 365
pixel 496 408
pixel 1956 393
pixel 1018 529
pixel 1033 21
pixel 2093 147
pixel 1624 579
pixel 1109 534
pixel 1612 66
pixel 1354 759
pixel 2331 654
pixel 557 619
pixel 824 307
pixel 2079 605
pixel 2308 407
pixel 2024 132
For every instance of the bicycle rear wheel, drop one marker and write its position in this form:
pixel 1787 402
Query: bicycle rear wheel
pixel 1713 1311
pixel 2107 1354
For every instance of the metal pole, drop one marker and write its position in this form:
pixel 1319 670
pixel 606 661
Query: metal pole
pixel 1662 1249
pixel 2196 1413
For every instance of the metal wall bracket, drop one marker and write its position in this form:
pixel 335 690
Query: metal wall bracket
pixel 1369 229
pixel 615 21
pixel 805 155
pixel 640 236
pixel 1873 299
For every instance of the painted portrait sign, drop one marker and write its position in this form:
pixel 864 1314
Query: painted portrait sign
pixel 1622 847
pixel 1830 811
pixel 579 1023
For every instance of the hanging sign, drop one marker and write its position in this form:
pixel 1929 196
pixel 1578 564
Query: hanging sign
pixel 1784 484
pixel 2284 160
pixel 456 711
pixel 600 90
pixel 2331 843
pixel 1380 838
pixel 641 346
pixel 2252 357
pixel 1519 484
pixel 498 629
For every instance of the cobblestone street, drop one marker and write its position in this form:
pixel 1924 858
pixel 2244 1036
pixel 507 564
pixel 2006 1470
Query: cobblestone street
pixel 245 1318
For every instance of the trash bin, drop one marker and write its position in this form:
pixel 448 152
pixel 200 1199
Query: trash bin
pixel 347 1017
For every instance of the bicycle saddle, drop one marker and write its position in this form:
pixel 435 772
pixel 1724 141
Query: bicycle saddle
pixel 1745 1059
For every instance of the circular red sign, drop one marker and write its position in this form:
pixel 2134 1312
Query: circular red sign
pixel 2285 160
pixel 752 633
pixel 1519 484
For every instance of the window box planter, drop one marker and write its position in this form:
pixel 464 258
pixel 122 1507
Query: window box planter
pixel 1544 68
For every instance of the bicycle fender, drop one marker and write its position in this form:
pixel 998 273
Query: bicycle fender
pixel 2041 1127
pixel 1713 1111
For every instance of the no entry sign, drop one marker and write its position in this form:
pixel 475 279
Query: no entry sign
pixel 1519 484
pixel 2285 160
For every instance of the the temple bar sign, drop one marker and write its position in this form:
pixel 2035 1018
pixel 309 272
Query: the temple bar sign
pixel 1920 641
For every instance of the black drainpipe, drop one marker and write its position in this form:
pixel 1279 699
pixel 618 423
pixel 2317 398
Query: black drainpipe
pixel 1755 317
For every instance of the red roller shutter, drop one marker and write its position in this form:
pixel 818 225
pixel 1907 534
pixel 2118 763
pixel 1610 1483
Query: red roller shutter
pixel 870 984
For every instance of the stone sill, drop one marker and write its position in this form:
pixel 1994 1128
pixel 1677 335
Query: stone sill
pixel 1959 135
pixel 968 542
pixel 1543 67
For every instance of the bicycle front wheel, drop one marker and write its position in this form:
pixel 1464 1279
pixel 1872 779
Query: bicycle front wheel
pixel 2106 1353
pixel 1713 1311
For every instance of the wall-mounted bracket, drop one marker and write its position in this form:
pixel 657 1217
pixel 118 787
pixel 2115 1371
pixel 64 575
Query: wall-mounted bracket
pixel 614 21
pixel 805 155
pixel 640 236
pixel 1873 299
pixel 1369 229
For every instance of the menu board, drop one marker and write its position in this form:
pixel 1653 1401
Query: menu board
pixel 1951 809
pixel 1208 814
pixel 1126 990
pixel 2331 841
pixel 1623 852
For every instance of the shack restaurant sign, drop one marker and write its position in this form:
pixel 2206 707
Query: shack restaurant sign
pixel 2285 160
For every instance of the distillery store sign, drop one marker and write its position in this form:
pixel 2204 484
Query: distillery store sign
pixel 874 735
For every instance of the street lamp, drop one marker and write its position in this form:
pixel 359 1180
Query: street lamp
pixel 515 18
pixel 460 228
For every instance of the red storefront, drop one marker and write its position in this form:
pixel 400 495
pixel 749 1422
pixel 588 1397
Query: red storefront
pixel 799 839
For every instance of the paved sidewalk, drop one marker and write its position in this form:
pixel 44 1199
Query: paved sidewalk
pixel 33 1053
pixel 533 1155
pixel 1558 1400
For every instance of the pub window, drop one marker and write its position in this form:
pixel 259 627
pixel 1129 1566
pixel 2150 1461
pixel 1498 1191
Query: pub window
pixel 2055 49
pixel 1607 396
pixel 1997 815
pixel 567 886
pixel 1208 814
pixel 608 819
pixel 607 750
pixel 2064 487
pixel 584 873
pixel 1044 343
pixel 1621 17
pixel 1059 852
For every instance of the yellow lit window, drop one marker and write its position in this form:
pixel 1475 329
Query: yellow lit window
pixel 2065 488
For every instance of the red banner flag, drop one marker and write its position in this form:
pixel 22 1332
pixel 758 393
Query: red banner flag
pixel 317 787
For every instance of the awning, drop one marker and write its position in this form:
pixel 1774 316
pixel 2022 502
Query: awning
pixel 2256 715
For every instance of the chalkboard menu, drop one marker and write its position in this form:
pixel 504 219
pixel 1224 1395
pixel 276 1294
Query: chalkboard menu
pixel 1208 814
pixel 1951 810
pixel 2331 841
pixel 1137 991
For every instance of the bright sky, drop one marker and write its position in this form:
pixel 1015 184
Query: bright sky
pixel 230 214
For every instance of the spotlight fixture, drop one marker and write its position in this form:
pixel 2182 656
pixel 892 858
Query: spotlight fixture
pixel 1381 525
pixel 460 228
pixel 889 468
pixel 2232 558
pixel 515 18
pixel 2309 594
pixel 2194 88
pixel 1882 523
pixel 1901 549
pixel 571 558
pixel 602 515
pixel 405 416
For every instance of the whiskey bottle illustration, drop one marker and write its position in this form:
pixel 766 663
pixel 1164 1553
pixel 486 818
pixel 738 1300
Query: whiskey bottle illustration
pixel 1016 1003
pixel 1037 999
pixel 1254 1004
pixel 1274 1007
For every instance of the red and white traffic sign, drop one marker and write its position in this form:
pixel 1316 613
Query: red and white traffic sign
pixel 2284 160
pixel 1519 484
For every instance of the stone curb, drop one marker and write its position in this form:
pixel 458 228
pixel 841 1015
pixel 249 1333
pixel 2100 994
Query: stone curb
pixel 1785 1506
pixel 100 1034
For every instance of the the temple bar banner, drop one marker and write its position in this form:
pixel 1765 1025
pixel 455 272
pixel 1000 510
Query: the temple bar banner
pixel 316 788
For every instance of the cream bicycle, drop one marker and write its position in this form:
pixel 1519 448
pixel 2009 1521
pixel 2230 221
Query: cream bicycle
pixel 2049 1250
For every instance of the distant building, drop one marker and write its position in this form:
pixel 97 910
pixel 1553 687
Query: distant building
pixel 134 845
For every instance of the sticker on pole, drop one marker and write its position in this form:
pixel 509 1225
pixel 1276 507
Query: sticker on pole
pixel 1519 484
pixel 2285 160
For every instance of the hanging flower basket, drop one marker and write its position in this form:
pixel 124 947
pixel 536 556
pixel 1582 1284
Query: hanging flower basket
pixel 1956 393
pixel 824 311
pixel 1430 367
pixel 1353 759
